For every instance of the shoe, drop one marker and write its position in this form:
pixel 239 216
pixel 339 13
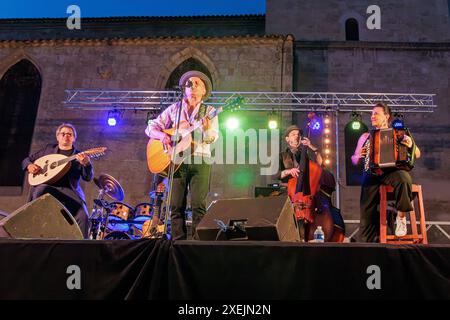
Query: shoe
pixel 401 229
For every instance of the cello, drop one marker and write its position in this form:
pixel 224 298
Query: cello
pixel 310 210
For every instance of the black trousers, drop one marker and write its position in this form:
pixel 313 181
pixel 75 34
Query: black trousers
pixel 196 177
pixel 70 200
pixel 370 199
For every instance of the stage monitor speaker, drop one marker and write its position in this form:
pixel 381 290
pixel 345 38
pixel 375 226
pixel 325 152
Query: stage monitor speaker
pixel 268 218
pixel 44 217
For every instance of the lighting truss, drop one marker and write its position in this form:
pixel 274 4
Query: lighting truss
pixel 254 101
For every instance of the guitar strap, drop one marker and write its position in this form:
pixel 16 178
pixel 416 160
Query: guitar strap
pixel 201 114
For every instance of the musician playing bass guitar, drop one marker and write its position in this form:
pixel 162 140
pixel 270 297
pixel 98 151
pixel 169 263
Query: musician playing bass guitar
pixel 372 179
pixel 67 189
pixel 194 172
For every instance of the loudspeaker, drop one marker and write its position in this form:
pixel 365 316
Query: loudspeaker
pixel 270 218
pixel 44 217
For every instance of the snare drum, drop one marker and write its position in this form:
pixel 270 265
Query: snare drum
pixel 119 216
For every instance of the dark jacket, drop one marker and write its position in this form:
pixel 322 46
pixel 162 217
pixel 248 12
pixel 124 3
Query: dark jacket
pixel 76 171
pixel 286 161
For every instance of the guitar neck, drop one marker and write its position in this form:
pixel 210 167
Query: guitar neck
pixel 68 159
pixel 198 124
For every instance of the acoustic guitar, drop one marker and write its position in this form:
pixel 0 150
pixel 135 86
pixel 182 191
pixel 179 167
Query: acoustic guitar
pixel 159 155
pixel 55 166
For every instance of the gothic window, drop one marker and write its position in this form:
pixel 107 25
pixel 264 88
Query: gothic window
pixel 20 90
pixel 185 66
pixel 351 30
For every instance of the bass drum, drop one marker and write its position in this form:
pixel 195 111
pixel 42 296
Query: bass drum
pixel 117 235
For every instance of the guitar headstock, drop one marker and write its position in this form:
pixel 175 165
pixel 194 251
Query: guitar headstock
pixel 234 104
pixel 96 152
pixel 231 105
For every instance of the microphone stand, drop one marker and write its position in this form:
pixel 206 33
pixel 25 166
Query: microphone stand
pixel 171 172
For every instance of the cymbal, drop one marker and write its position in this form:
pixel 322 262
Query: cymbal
pixel 111 186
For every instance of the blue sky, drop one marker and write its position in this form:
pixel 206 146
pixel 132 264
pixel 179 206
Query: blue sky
pixel 107 8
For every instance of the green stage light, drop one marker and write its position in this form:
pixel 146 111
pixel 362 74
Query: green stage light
pixel 232 123
pixel 273 124
pixel 356 125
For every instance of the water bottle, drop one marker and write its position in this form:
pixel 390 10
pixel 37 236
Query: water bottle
pixel 319 236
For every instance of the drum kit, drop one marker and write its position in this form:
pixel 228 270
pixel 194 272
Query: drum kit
pixel 118 220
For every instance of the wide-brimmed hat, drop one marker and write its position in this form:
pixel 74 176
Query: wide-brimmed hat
pixel 202 76
pixel 292 128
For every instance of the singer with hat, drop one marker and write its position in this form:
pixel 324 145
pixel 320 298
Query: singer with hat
pixel 194 173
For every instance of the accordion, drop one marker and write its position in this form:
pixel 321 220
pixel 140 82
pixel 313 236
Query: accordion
pixel 387 152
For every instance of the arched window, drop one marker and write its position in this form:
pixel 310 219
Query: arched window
pixel 351 30
pixel 185 66
pixel 20 90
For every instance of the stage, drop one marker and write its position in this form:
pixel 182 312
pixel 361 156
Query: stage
pixel 221 270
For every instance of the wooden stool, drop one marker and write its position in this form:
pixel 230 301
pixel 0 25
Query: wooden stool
pixel 413 237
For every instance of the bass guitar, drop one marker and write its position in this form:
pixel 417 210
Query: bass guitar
pixel 54 166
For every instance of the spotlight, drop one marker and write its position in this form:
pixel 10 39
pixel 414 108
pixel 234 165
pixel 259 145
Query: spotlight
pixel 398 122
pixel 114 117
pixel 273 123
pixel 232 123
pixel 315 122
pixel 356 125
pixel 355 122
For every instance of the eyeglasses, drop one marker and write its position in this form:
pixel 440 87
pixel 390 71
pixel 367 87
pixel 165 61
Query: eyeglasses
pixel 66 134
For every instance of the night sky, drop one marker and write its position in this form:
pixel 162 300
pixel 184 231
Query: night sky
pixel 108 8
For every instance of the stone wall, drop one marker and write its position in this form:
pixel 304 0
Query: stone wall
pixel 401 20
pixel 236 64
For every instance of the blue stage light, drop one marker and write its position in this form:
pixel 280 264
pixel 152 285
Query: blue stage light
pixel 398 124
pixel 113 118
pixel 112 121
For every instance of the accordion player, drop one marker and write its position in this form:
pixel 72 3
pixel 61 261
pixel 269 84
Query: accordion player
pixel 387 151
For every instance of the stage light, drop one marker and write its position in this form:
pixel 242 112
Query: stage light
pixel 273 124
pixel 232 123
pixel 113 118
pixel 356 125
pixel 315 122
pixel 398 122
pixel 316 125
pixel 273 120
pixel 326 142
pixel 353 130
